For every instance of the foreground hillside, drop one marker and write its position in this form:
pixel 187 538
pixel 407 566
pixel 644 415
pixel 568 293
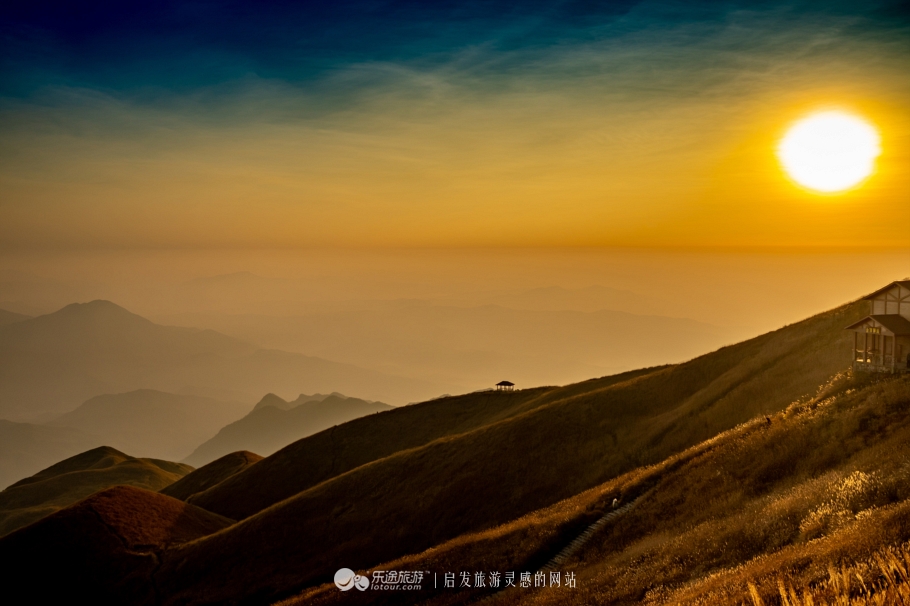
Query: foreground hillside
pixel 399 482
pixel 77 477
pixel 103 550
pixel 210 475
pixel 812 502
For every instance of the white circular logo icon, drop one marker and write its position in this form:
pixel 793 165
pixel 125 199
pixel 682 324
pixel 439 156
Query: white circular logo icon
pixel 346 578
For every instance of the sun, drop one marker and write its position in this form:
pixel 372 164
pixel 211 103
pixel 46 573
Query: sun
pixel 829 151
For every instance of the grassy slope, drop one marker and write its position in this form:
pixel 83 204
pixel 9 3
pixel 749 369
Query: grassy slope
pixel 210 475
pixel 314 459
pixel 75 478
pixel 566 442
pixel 102 549
pixel 328 454
pixel 807 502
pixel 268 429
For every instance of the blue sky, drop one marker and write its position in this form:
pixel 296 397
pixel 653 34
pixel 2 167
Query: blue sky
pixel 182 46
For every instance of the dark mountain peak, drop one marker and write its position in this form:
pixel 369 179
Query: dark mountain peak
pixel 99 308
pixel 89 316
pixel 271 399
pixel 318 397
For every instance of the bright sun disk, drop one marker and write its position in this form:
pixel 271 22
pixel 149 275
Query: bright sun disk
pixel 829 151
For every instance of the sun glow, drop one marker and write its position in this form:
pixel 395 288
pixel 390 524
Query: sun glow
pixel 829 151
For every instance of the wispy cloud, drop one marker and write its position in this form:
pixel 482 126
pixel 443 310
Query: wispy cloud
pixel 572 126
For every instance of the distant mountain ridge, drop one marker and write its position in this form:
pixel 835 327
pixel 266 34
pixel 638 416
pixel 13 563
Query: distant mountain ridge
pixel 274 423
pixel 271 399
pixel 152 423
pixel 9 317
pixel 52 363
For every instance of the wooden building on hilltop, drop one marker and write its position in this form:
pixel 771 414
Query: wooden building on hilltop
pixel 881 340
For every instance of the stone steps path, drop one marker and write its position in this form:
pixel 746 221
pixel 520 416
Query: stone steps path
pixel 576 544
pixel 582 539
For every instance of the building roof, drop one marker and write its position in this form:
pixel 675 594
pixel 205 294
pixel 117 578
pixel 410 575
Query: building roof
pixel 896 324
pixel 506 383
pixel 904 283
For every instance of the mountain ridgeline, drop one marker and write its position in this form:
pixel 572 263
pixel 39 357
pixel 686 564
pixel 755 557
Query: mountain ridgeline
pixel 148 422
pixel 391 484
pixel 51 364
pixel 274 423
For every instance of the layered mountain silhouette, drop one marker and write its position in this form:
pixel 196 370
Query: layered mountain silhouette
pixel 152 423
pixel 50 364
pixel 9 317
pixel 271 399
pixel 736 454
pixel 274 423
pixel 147 422
pixel 77 477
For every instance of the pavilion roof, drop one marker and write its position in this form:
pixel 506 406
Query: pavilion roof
pixel 896 324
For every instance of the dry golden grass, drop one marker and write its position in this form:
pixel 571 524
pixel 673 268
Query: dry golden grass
pixel 825 486
pixel 883 578
pixel 826 483
pixel 555 445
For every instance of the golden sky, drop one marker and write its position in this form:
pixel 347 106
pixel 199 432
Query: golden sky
pixel 640 127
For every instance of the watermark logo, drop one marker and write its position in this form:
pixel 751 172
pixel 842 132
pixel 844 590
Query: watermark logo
pixel 398 580
pixel 346 578
pixel 413 580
